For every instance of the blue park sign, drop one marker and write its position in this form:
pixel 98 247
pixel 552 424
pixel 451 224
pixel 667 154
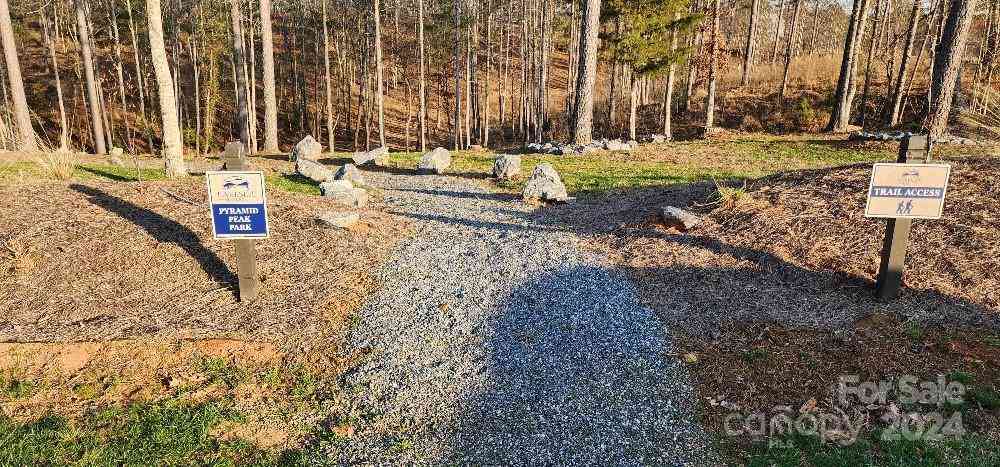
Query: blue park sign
pixel 238 204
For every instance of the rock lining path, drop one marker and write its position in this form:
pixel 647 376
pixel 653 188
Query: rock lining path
pixel 495 340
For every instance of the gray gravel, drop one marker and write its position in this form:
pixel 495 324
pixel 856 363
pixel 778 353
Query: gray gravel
pixel 495 340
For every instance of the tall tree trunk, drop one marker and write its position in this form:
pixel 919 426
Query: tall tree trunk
pixel 790 47
pixel 633 104
pixel 841 114
pixel 267 66
pixel 120 75
pixel 22 115
pixel 330 130
pixel 241 124
pixel 668 96
pixel 712 70
pixel 779 30
pixel 83 32
pixel 948 64
pixel 586 74
pixel 422 116
pixel 751 43
pixel 379 98
pixel 457 127
pixel 139 76
pixel 173 149
pixel 897 89
pixel 51 36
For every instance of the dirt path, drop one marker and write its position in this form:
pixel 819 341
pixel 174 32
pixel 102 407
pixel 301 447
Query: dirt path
pixel 494 339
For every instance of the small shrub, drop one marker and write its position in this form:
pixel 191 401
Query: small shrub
pixel 751 124
pixel 804 115
pixel 914 331
pixel 988 398
pixel 57 165
pixel 732 197
pixel 753 355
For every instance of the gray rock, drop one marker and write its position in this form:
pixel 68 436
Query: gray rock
pixel 308 148
pixel 344 192
pixel 679 218
pixel 351 173
pixel 616 145
pixel 115 156
pixel 378 156
pixel 436 161
pixel 507 167
pixel 533 147
pixel 658 139
pixel 338 219
pixel 544 185
pixel 632 144
pixel 313 170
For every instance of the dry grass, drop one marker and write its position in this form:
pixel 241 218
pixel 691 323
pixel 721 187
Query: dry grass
pixel 56 165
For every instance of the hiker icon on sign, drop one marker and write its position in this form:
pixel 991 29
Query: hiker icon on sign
pixel 905 208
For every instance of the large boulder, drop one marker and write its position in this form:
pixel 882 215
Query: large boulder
pixel 378 156
pixel 679 218
pixel 544 185
pixel 313 170
pixel 436 161
pixel 116 156
pixel 352 173
pixel 308 148
pixel 344 192
pixel 617 145
pixel 338 219
pixel 507 167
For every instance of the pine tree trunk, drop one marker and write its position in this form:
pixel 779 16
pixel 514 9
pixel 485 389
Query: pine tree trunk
pixel 633 104
pixel 948 65
pixel 51 36
pixel 22 115
pixel 241 124
pixel 779 30
pixel 422 115
pixel 751 43
pixel 583 105
pixel 841 114
pixel 330 130
pixel 139 76
pixel 668 96
pixel 457 125
pixel 897 89
pixel 267 66
pixel 96 122
pixel 790 48
pixel 712 70
pixel 173 150
pixel 379 98
pixel 120 74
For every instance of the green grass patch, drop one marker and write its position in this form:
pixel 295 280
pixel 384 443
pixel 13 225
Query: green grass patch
pixel 292 183
pixel 987 397
pixel 16 388
pixel 116 173
pixel 673 163
pixel 169 432
pixel 802 450
pixel 755 355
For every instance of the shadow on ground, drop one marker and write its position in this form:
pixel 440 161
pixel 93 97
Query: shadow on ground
pixel 163 230
pixel 579 373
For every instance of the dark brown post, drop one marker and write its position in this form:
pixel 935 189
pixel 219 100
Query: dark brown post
pixel 235 159
pixel 912 150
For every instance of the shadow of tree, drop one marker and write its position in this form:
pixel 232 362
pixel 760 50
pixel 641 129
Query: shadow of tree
pixel 163 230
pixel 579 373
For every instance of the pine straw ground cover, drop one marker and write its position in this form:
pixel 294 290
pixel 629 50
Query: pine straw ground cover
pixel 771 300
pixel 99 261
pixel 122 339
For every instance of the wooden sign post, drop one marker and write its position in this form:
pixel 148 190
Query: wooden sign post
pixel 910 189
pixel 245 223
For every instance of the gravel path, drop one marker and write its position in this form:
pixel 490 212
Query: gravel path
pixel 495 340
